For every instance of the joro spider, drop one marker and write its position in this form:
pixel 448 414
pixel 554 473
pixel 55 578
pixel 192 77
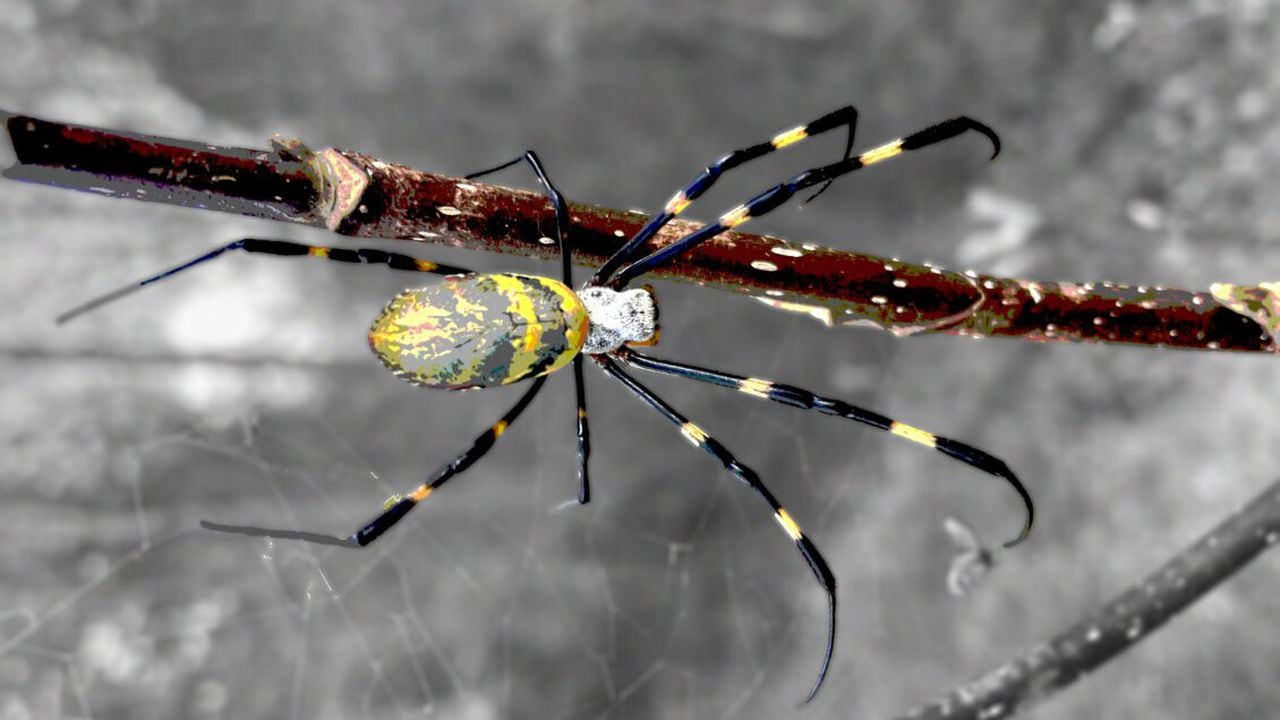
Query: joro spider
pixel 482 330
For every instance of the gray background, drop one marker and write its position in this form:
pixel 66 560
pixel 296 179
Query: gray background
pixel 1140 146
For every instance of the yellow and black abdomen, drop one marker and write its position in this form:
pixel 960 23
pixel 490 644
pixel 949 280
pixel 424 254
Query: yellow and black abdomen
pixel 480 330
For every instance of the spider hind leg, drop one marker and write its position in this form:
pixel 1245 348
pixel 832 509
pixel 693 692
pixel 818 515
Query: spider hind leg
pixel 699 438
pixel 397 506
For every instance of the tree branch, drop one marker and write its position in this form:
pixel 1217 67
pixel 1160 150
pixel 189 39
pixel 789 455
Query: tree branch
pixel 358 195
pixel 1047 667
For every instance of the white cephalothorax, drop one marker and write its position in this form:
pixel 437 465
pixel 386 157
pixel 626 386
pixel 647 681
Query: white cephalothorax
pixel 618 317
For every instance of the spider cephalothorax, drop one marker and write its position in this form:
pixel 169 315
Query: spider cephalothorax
pixel 619 317
pixel 480 330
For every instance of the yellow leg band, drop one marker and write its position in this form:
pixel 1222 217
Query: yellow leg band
pixel 678 203
pixel 788 524
pixel 789 137
pixel 884 152
pixel 735 217
pixel 914 434
pixel 755 386
pixel 694 434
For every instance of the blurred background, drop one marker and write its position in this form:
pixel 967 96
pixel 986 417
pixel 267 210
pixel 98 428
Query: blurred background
pixel 1140 147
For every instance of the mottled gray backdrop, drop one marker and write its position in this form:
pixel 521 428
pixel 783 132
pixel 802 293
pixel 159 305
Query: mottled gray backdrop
pixel 1140 146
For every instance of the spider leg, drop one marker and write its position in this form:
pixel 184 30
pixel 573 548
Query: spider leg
pixel 700 439
pixel 845 116
pixel 584 434
pixel 779 194
pixel 283 248
pixel 566 272
pixel 397 506
pixel 806 400
pixel 557 202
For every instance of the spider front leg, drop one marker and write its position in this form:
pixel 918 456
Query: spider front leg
pixel 779 194
pixel 557 203
pixel 843 117
pixel 282 248
pixel 700 439
pixel 397 506
pixel 806 400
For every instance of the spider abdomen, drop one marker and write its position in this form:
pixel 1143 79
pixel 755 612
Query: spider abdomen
pixel 480 330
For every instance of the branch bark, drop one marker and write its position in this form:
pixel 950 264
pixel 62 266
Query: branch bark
pixel 358 195
pixel 1044 668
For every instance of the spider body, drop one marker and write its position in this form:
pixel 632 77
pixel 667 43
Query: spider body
pixel 475 331
pixel 481 330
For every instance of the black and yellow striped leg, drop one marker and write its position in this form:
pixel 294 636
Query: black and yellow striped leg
pixel 843 117
pixel 805 400
pixel 283 248
pixel 779 194
pixel 566 271
pixel 557 202
pixel 584 434
pixel 700 439
pixel 397 506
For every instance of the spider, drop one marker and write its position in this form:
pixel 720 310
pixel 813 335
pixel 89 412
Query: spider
pixel 483 330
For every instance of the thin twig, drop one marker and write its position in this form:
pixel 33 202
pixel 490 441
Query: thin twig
pixel 358 195
pixel 1047 667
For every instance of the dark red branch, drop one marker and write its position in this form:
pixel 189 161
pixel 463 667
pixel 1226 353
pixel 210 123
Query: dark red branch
pixel 1043 669
pixel 358 195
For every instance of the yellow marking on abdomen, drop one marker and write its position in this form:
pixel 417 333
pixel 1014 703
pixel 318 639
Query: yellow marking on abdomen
pixel 789 137
pixel 884 152
pixel 320 252
pixel 735 217
pixel 677 203
pixel 755 386
pixel 914 434
pixel 788 524
pixel 694 434
pixel 576 318
pixel 499 428
pixel 522 308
